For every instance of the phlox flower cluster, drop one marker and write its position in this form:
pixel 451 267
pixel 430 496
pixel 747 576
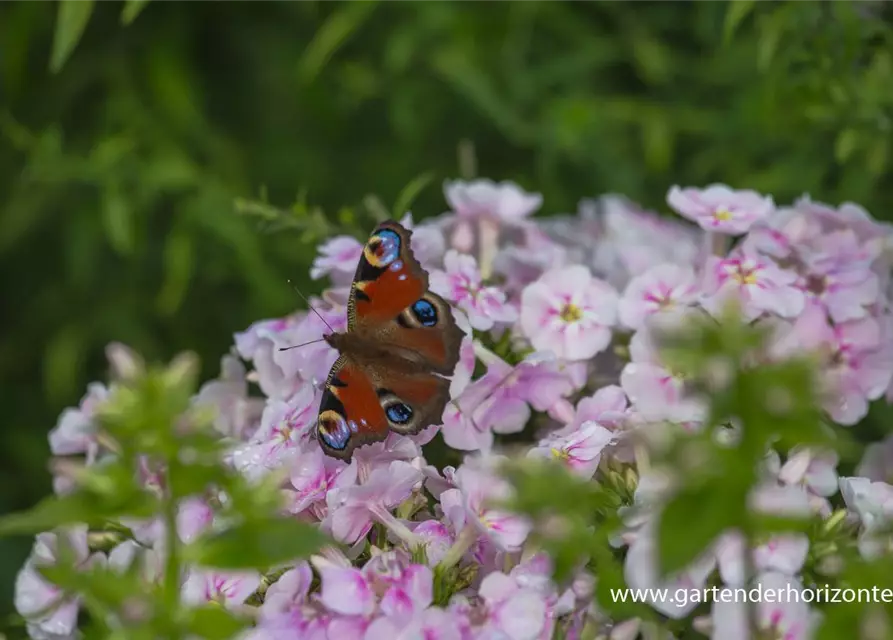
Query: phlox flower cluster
pixel 560 315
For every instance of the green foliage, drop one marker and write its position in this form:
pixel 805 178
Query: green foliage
pixel 764 403
pixel 149 422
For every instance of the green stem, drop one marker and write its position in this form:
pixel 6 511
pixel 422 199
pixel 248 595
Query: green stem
pixel 172 560
pixel 466 538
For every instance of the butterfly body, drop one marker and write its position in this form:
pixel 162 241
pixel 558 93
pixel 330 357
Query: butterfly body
pixel 401 342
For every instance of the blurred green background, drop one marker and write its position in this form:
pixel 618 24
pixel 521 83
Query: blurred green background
pixel 129 132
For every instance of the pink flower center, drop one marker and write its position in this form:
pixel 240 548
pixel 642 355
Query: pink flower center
pixel 571 313
pixel 722 214
pixel 744 273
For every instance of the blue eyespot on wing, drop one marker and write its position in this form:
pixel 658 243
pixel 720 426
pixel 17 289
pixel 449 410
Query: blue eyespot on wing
pixel 350 413
pixel 398 413
pixel 388 278
pixel 425 313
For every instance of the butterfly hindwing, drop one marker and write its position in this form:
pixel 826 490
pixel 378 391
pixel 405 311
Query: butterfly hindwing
pixel 350 413
pixel 362 402
pixel 427 329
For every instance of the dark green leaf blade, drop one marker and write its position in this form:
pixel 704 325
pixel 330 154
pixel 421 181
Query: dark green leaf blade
pixel 71 20
pixel 256 543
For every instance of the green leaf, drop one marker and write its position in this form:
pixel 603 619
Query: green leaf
pixel 736 12
pixel 53 512
pixel 333 34
pixel 117 217
pixel 771 30
pixel 410 192
pixel 256 543
pixel 71 20
pixel 213 623
pixel 846 142
pixel 132 8
pixel 64 354
pixel 179 263
pixel 692 520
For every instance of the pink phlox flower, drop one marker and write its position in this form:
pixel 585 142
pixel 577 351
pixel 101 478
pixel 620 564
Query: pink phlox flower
pixel 280 373
pixel 286 427
pixel 657 393
pixel 310 622
pixel 313 474
pixel 840 278
pixel 235 411
pixel 720 209
pixel 872 502
pixel 428 243
pixel 781 236
pixel 479 491
pixel 347 591
pixel 814 470
pixel 147 560
pixel 664 289
pixel 370 457
pixel 511 611
pixel 569 312
pixel 780 500
pixel 464 368
pixel 787 618
pixel 784 553
pixel 404 589
pixel 436 538
pixel 290 591
pixel 312 362
pixel 620 239
pixel 756 283
pixel 877 461
pixel 436 482
pixel 338 258
pixel 498 401
pixel 860 369
pixel 641 572
pixel 75 433
pixel 257 343
pixel 229 589
pixel 388 584
pixel 48 611
pixel 504 201
pixel 608 406
pixel 194 516
pixel 535 572
pixel 461 284
pixel 289 613
pixel 431 624
pixel 808 333
pixel 581 451
pixel 848 215
pixel 519 264
pixel 351 509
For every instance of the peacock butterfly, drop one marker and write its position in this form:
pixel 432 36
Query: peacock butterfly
pixel 401 341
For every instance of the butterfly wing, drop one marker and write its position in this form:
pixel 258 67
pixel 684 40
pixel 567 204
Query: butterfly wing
pixel 390 303
pixel 363 401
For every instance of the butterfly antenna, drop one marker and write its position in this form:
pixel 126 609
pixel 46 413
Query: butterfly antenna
pixel 303 344
pixel 312 308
